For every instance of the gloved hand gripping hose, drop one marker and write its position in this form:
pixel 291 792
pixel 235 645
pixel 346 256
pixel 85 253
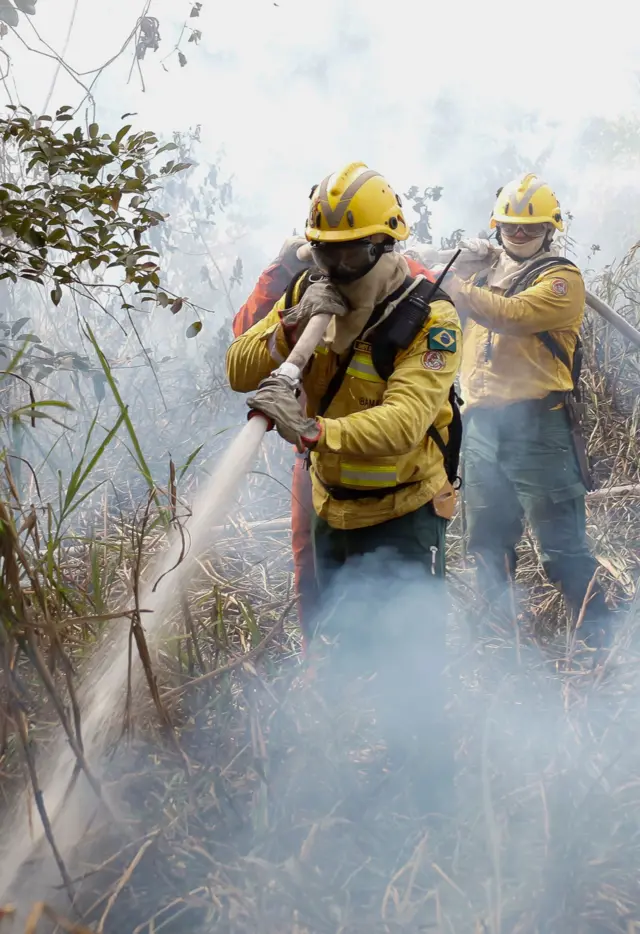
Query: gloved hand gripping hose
pixel 291 369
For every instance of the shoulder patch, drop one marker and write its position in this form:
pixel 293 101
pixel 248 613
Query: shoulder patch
pixel 442 339
pixel 433 360
pixel 559 287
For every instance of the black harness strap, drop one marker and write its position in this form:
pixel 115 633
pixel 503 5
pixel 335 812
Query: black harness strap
pixel 301 281
pixel 338 377
pixel 345 493
pixel 524 281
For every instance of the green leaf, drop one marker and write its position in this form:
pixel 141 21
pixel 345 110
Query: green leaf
pixel 124 410
pixel 56 294
pixel 94 129
pixel 122 132
pixel 189 461
pixel 194 329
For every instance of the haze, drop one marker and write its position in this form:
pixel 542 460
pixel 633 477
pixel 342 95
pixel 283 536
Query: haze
pixel 459 95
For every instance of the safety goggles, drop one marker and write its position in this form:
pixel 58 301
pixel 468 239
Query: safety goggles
pixel 530 231
pixel 346 262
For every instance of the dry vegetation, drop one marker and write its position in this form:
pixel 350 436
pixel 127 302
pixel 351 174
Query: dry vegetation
pixel 247 800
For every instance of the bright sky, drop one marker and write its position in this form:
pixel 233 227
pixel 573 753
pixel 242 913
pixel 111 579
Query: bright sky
pixel 453 94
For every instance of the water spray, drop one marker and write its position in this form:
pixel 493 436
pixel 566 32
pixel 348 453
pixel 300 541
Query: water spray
pixel 105 686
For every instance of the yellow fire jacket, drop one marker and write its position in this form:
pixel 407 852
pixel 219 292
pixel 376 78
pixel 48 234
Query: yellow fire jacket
pixel 375 432
pixel 503 361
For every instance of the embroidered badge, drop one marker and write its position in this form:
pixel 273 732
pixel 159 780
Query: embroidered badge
pixel 433 360
pixel 442 339
pixel 362 347
pixel 559 287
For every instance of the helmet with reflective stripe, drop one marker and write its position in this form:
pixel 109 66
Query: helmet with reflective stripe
pixel 527 200
pixel 353 203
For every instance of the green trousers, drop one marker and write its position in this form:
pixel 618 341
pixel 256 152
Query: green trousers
pixel 417 538
pixel 383 596
pixel 519 463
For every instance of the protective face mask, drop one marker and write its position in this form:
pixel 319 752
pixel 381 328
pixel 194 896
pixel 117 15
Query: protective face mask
pixel 524 250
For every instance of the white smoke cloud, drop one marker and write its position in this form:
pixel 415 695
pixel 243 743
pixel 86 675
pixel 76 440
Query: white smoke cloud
pixel 459 96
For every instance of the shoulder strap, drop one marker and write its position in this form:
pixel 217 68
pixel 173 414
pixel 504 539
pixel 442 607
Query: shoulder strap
pixel 451 450
pixel 524 281
pixel 399 330
pixel 299 285
pixel 397 333
pixel 532 272
pixel 337 379
pixel 528 276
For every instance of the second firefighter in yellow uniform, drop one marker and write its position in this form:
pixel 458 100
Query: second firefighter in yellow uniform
pixel 524 454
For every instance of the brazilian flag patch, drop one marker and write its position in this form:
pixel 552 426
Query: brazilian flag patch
pixel 442 339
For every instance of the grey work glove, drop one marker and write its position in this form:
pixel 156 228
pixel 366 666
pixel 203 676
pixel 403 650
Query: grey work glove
pixel 477 247
pixel 277 399
pixel 322 297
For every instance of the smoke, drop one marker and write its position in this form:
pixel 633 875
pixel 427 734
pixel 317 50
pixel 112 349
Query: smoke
pixel 464 97
pixel 344 798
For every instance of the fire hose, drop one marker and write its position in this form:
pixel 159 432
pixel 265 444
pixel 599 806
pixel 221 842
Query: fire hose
pixel 614 318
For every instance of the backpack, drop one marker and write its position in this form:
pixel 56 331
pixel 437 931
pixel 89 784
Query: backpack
pixel 395 333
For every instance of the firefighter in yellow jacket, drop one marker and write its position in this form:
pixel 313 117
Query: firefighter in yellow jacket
pixel 524 454
pixel 379 421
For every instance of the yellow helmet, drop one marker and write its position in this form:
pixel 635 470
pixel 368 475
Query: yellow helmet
pixel 353 203
pixel 527 200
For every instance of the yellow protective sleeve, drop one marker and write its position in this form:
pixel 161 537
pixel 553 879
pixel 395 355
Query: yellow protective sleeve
pixel 253 355
pixel 538 308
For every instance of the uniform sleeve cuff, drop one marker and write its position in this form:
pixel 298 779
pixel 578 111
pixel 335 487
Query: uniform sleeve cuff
pixel 276 341
pixel 331 432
